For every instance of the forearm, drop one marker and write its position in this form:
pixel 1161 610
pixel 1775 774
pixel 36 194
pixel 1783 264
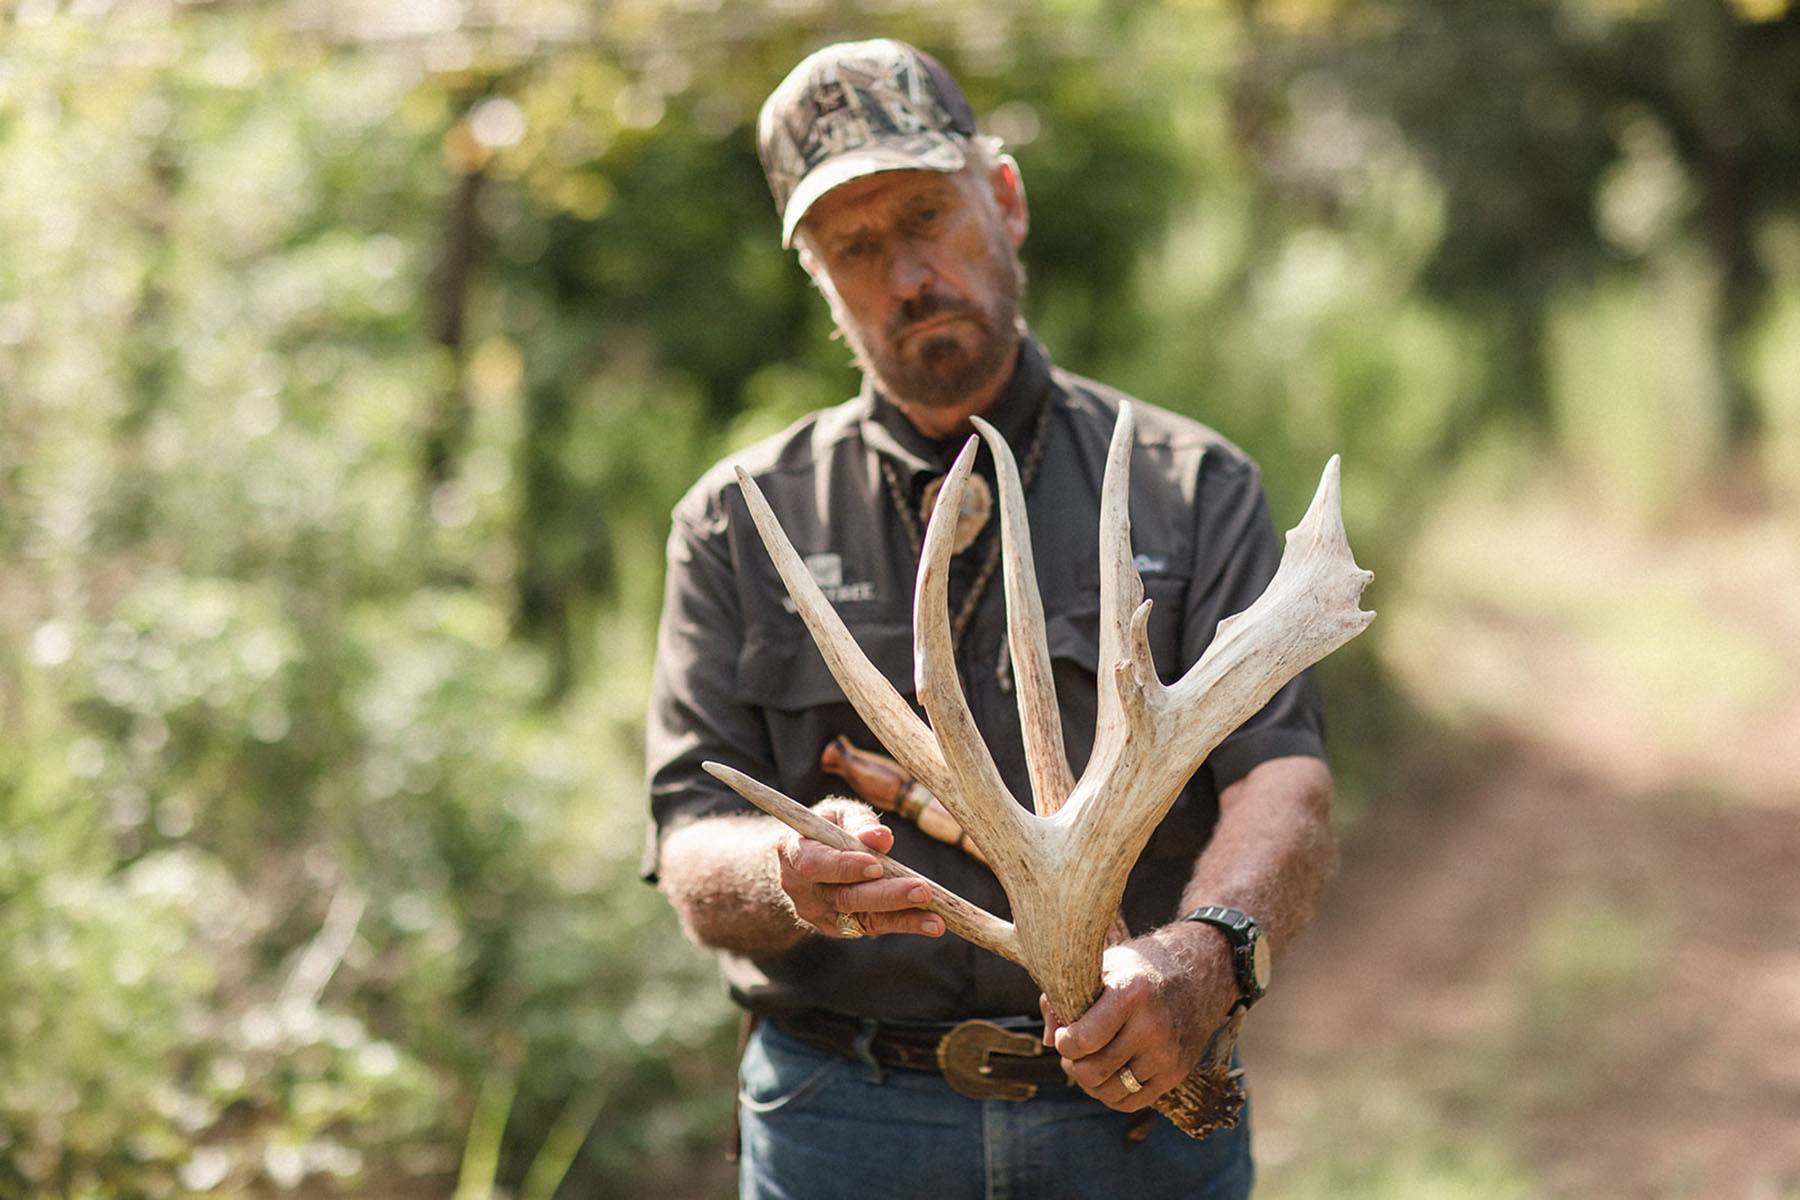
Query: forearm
pixel 724 879
pixel 1273 848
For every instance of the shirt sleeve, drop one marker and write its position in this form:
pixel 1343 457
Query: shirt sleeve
pixel 695 713
pixel 1236 553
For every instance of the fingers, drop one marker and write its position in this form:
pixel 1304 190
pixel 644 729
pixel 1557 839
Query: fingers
pixel 1051 1024
pixel 912 920
pixel 883 906
pixel 1120 1031
pixel 823 882
pixel 889 906
pixel 816 863
pixel 1093 1072
pixel 1096 1027
pixel 1152 1065
pixel 1136 1025
pixel 876 914
pixel 881 896
pixel 1122 1098
pixel 859 819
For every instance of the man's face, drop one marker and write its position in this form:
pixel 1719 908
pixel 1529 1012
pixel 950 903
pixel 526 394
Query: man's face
pixel 922 272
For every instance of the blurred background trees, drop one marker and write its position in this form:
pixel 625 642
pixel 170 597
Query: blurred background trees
pixel 352 356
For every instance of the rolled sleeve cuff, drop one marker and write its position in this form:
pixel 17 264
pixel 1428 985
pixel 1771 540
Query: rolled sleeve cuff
pixel 696 806
pixel 1242 752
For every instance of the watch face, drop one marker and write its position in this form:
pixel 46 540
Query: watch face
pixel 1261 958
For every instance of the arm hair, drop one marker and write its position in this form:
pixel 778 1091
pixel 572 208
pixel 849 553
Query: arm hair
pixel 723 878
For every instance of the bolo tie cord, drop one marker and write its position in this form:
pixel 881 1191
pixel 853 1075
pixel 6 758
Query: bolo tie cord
pixel 909 521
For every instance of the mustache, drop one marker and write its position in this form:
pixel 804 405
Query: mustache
pixel 931 304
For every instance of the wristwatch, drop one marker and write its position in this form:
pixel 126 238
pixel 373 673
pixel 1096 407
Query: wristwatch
pixel 1250 950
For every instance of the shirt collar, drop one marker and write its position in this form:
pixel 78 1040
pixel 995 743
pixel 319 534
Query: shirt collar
pixel 887 430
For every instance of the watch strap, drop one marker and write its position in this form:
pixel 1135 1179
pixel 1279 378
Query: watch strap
pixel 1241 931
pixel 1236 923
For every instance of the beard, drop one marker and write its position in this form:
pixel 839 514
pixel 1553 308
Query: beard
pixel 941 368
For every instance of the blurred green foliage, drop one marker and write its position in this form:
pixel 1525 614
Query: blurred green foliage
pixel 351 357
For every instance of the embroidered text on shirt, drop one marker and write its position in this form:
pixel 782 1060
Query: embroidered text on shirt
pixel 1152 564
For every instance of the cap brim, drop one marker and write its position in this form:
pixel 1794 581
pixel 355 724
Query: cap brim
pixel 928 152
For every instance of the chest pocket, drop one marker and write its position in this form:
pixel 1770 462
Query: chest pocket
pixel 782 669
pixel 1073 634
pixel 781 672
pixel 1073 637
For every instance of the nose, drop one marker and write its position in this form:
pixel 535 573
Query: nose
pixel 910 271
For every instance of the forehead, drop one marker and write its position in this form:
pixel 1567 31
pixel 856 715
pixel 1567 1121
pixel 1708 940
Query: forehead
pixel 871 197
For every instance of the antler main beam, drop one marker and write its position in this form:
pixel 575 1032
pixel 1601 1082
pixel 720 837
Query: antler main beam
pixel 1064 869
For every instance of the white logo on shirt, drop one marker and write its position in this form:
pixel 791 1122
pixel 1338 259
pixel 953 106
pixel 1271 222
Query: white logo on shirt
pixel 827 571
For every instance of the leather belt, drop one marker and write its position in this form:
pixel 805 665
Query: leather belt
pixel 984 1060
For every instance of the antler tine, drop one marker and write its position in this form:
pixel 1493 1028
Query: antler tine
pixel 1121 587
pixel 967 920
pixel 978 797
pixel 888 716
pixel 1040 721
pixel 1317 585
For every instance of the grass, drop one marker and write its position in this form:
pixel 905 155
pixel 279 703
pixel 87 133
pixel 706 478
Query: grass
pixel 1379 1129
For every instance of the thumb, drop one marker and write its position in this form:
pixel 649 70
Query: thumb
pixel 860 820
pixel 874 835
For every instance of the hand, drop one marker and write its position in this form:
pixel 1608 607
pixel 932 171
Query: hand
pixel 1164 996
pixel 822 882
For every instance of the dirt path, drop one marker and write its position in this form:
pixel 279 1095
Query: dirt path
pixel 1596 988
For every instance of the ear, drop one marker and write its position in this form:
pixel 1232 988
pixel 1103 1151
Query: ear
pixel 809 262
pixel 1009 194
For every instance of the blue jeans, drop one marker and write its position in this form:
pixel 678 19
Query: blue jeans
pixel 816 1126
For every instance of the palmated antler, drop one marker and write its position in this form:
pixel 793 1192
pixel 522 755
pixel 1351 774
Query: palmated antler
pixel 1064 869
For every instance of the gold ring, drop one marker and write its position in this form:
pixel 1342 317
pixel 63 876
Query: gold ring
pixel 1130 1081
pixel 849 926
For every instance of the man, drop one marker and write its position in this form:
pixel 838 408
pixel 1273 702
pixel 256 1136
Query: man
pixel 910 225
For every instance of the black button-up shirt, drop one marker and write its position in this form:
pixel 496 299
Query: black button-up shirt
pixel 739 680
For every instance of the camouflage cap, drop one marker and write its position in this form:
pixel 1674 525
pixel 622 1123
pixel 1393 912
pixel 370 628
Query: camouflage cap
pixel 851 110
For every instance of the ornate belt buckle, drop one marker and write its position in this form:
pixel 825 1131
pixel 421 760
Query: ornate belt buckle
pixel 962 1056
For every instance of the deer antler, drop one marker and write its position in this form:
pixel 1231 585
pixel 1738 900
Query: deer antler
pixel 1064 869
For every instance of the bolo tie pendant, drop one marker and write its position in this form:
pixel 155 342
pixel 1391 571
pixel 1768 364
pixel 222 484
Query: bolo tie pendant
pixel 971 517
